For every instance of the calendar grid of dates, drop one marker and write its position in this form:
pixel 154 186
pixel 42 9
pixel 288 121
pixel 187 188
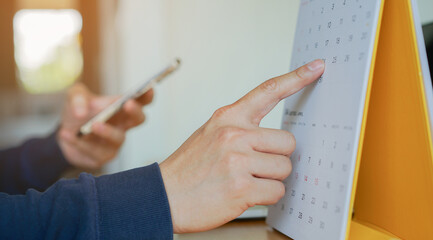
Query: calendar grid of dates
pixel 326 117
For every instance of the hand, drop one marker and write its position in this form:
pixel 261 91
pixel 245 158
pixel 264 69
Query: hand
pixel 230 163
pixel 96 149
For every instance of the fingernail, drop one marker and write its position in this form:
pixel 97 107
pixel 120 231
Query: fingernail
pixel 316 65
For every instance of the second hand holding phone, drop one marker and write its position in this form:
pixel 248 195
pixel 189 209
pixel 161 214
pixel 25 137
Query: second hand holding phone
pixel 113 108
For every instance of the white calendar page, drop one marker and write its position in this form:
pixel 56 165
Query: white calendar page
pixel 326 117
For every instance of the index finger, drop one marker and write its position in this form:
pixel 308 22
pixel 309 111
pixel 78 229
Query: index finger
pixel 261 100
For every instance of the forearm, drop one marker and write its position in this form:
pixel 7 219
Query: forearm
pixel 38 163
pixel 127 205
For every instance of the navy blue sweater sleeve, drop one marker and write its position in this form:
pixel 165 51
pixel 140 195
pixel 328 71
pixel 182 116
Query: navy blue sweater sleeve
pixel 125 205
pixel 38 163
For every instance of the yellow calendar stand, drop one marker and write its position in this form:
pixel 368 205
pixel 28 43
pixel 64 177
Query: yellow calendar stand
pixel 392 194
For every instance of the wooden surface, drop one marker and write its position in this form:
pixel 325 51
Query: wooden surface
pixel 237 230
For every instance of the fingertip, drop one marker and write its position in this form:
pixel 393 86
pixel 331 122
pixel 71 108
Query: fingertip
pixel 311 71
pixel 149 94
pixel 292 143
pixel 316 66
pixel 146 98
pixel 129 105
pixel 132 106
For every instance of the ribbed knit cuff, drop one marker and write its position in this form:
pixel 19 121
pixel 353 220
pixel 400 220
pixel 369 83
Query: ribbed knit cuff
pixel 134 205
pixel 42 162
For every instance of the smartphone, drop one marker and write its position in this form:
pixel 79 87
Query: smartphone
pixel 136 92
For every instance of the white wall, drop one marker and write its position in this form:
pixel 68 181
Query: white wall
pixel 426 10
pixel 228 47
pixel 140 29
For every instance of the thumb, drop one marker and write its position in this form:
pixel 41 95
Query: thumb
pixel 261 100
pixel 79 100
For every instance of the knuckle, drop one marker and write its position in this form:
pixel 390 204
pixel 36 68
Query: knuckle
pixel 270 85
pixel 240 186
pixel 234 162
pixel 299 73
pixel 229 134
pixel 221 112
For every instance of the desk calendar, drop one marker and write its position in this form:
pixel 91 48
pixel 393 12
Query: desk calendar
pixel 363 166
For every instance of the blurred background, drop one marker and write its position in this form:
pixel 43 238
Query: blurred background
pixel 227 47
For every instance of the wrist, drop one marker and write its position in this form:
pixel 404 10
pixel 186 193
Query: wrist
pixel 136 202
pixel 169 192
pixel 63 146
